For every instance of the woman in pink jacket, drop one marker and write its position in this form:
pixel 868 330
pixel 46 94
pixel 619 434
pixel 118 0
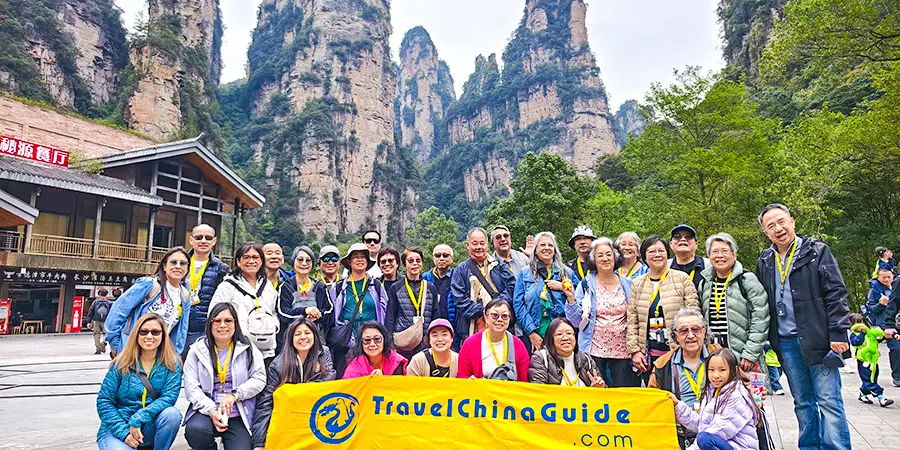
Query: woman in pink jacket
pixel 376 357
pixel 494 353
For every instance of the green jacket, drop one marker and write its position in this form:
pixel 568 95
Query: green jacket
pixel 748 318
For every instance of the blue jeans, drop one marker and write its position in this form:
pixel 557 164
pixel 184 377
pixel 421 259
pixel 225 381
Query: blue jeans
pixel 775 378
pixel 817 400
pixel 161 432
pixel 707 441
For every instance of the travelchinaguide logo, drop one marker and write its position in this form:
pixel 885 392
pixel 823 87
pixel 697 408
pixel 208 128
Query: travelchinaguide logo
pixel 332 418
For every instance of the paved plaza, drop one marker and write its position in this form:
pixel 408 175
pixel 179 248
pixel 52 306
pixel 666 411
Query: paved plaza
pixel 48 386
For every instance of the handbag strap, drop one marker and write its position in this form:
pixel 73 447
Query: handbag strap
pixel 357 308
pixel 475 270
pixel 262 287
pixel 152 392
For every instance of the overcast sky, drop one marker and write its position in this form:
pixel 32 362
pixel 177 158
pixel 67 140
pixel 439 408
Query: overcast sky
pixel 637 42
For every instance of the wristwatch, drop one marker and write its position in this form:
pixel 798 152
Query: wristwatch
pixel 234 393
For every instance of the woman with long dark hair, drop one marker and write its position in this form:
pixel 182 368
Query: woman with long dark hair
pixel 375 354
pixel 223 374
pixel 559 362
pixel 134 413
pixel 161 294
pixel 253 297
pixel 304 359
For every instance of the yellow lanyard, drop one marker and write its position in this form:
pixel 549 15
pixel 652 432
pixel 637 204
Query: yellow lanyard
pixel 549 274
pixel 275 283
pixel 197 276
pixel 569 381
pixel 305 288
pixel 581 272
pixel 692 273
pixel 223 368
pixel 446 375
pixel 417 303
pixel 656 289
pixel 435 273
pixel 719 296
pixel 494 351
pixel 149 372
pixel 695 384
pixel 630 271
pixel 356 294
pixel 785 270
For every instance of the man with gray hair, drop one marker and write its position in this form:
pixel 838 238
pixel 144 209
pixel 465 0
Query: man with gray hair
pixel 809 322
pixel 440 277
pixel 681 371
pixel 475 282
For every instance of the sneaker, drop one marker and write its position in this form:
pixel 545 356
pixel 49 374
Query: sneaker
pixel 96 352
pixel 884 402
pixel 895 383
pixel 779 391
pixel 865 398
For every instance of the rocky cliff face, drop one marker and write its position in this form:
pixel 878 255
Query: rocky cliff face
pixel 425 92
pixel 322 88
pixel 629 120
pixel 747 26
pixel 68 52
pixel 549 97
pixel 177 67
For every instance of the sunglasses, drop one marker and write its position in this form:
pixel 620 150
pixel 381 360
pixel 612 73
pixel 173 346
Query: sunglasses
pixel 683 332
pixel 223 321
pixel 387 261
pixel 503 317
pixel 331 259
pixel 304 261
pixel 154 333
pixel 376 339
pixel 203 237
pixel 372 241
pixel 441 255
pixel 174 263
pixel 414 261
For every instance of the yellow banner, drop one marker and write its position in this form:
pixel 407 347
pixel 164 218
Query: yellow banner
pixel 424 413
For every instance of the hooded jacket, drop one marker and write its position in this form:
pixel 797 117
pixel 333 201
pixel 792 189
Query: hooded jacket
pixel 875 311
pixel 248 376
pixel 119 399
pixel 819 295
pixel 748 318
pixel 735 422
pixel 136 302
pixel 527 298
pixel 228 293
pixel 360 367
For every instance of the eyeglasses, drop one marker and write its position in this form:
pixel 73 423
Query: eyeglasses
pixel 441 255
pixel 683 332
pixel 250 258
pixel 501 236
pixel 177 263
pixel 720 252
pixel 154 333
pixel 304 261
pixel 503 317
pixel 387 261
pixel 376 340
pixel 682 237
pixel 568 334
pixel 657 252
pixel 414 261
pixel 203 237
pixel 331 259
pixel 223 321
pixel 372 241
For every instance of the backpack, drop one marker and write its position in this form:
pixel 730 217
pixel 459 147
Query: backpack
pixel 507 370
pixel 102 311
pixel 262 326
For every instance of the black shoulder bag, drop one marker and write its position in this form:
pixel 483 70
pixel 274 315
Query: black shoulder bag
pixel 340 336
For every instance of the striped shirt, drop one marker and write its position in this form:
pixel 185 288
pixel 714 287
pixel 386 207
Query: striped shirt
pixel 718 321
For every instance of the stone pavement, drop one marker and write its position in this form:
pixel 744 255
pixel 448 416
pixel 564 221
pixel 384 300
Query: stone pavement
pixel 48 386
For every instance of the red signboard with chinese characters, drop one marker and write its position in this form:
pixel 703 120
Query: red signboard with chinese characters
pixel 77 312
pixel 5 314
pixel 33 152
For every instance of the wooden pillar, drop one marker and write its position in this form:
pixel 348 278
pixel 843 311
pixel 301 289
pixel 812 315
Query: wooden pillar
pixel 101 202
pixel 234 223
pixel 35 193
pixel 200 205
pixel 150 233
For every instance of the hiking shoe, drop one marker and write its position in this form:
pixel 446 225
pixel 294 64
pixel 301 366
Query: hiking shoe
pixel 779 391
pixel 865 398
pixel 884 402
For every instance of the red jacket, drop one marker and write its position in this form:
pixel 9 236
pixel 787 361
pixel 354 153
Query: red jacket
pixel 360 366
pixel 470 358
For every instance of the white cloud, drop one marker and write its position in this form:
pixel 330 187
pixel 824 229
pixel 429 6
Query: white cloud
pixel 636 42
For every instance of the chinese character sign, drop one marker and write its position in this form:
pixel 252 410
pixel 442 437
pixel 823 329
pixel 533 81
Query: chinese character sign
pixel 21 149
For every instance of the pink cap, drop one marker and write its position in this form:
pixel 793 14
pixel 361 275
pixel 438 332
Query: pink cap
pixel 440 323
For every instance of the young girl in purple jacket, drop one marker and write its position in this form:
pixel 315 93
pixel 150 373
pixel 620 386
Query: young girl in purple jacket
pixel 728 416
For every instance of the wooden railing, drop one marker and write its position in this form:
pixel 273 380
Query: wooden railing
pixel 11 241
pixel 59 245
pixel 122 252
pixel 158 253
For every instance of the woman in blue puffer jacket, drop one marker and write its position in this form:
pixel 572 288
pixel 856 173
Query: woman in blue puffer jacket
pixel 134 412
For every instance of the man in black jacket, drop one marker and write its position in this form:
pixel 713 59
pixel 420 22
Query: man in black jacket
pixel 808 331
pixel 206 272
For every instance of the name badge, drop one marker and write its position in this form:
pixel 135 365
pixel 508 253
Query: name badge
pixel 219 396
pixel 417 319
pixel 696 406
